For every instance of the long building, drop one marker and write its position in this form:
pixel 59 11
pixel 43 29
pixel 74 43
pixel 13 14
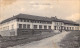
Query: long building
pixel 24 24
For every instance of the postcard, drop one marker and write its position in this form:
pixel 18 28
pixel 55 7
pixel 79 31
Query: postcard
pixel 39 23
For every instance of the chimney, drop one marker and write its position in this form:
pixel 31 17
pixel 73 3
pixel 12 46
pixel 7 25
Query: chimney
pixel 55 17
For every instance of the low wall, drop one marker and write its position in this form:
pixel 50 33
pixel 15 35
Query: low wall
pixel 11 32
pixel 31 31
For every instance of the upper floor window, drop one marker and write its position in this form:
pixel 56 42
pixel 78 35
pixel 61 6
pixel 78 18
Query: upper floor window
pixel 27 20
pixel 17 19
pixel 49 22
pixel 24 20
pixel 56 23
pixel 21 20
pixel 61 23
pixel 37 21
pixel 12 26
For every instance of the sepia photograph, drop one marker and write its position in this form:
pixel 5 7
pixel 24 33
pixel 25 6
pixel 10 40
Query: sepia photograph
pixel 39 23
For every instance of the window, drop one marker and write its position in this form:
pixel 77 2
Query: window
pixel 59 28
pixel 67 28
pixel 20 25
pixel 40 26
pixel 35 26
pixel 18 20
pixel 24 20
pixel 56 23
pixel 45 27
pixel 27 20
pixel 49 22
pixel 34 21
pixel 37 21
pixel 21 20
pixel 28 26
pixel 72 28
pixel 12 26
pixel 61 23
pixel 49 27
pixel 77 28
pixel 55 27
pixel 24 26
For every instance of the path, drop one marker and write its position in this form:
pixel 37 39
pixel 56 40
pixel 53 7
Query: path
pixel 51 42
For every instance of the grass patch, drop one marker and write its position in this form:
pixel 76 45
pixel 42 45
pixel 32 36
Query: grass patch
pixel 72 40
pixel 25 39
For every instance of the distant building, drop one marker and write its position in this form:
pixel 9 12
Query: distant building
pixel 23 24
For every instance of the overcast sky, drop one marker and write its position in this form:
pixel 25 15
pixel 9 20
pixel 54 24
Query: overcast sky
pixel 64 9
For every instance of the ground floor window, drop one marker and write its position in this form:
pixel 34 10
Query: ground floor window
pixel 28 26
pixel 45 27
pixel 20 25
pixel 35 26
pixel 40 26
pixel 67 28
pixel 72 28
pixel 24 26
pixel 49 27
pixel 54 27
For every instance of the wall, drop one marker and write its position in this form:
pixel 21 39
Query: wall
pixel 72 26
pixel 7 29
pixel 31 24
pixel 58 26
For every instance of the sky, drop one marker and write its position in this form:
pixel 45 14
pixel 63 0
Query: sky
pixel 63 9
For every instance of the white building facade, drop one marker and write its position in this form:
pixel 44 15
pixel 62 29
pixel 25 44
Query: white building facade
pixel 23 24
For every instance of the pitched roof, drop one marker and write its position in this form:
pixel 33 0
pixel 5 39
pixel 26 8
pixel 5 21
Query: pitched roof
pixel 26 16
pixel 70 22
pixel 9 19
pixel 67 22
pixel 34 17
pixel 64 21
